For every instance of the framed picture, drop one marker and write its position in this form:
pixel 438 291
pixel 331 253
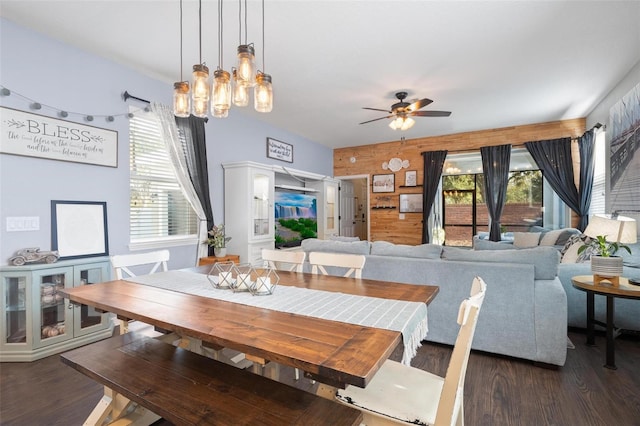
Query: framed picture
pixel 79 228
pixel 279 150
pixel 384 183
pixel 410 203
pixel 410 178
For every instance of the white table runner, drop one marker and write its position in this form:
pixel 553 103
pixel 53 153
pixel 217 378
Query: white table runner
pixel 409 318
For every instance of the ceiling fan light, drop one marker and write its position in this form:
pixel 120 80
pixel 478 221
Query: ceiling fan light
pixel 181 99
pixel 240 92
pixel 221 91
pixel 263 93
pixel 200 83
pixel 246 65
pixel 407 123
pixel 396 123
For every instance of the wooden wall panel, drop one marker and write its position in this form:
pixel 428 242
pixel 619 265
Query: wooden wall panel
pixel 386 225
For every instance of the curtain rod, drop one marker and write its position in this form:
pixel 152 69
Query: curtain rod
pixel 126 95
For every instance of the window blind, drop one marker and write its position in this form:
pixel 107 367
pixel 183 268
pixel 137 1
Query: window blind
pixel 158 209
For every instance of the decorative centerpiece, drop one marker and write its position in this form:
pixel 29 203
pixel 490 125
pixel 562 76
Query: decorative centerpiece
pixel 604 264
pixel 245 277
pixel 223 275
pixel 218 240
pixel 265 283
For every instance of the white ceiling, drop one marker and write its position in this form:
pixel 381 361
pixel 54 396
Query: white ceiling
pixel 492 63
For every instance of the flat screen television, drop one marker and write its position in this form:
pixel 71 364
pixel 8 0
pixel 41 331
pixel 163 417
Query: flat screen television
pixel 296 218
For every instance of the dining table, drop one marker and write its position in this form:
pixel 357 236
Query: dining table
pixel 336 353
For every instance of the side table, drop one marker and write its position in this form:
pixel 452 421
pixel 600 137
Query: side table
pixel 622 290
pixel 210 260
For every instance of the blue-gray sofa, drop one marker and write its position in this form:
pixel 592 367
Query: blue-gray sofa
pixel 525 310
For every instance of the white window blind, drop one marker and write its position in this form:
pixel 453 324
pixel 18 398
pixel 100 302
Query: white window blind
pixel 158 209
pixel 599 175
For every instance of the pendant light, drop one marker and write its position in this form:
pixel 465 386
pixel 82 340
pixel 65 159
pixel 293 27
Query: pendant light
pixel 181 96
pixel 200 93
pixel 221 90
pixel 246 70
pixel 240 92
pixel 263 90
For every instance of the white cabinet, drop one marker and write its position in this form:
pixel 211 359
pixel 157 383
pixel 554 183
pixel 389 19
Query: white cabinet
pixel 37 321
pixel 328 206
pixel 248 209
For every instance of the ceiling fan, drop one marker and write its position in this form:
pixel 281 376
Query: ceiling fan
pixel 402 111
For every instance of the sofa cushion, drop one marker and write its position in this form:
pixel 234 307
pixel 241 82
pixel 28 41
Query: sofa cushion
pixel 423 251
pixel 631 260
pixel 526 239
pixel 545 260
pixel 352 247
pixel 550 237
pixel 479 244
pixel 343 238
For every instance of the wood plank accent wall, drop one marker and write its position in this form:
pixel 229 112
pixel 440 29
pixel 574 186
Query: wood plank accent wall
pixel 385 223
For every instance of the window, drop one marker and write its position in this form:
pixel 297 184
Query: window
pixel 159 212
pixel 599 176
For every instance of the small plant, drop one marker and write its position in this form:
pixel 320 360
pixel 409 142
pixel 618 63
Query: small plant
pixel 217 237
pixel 602 247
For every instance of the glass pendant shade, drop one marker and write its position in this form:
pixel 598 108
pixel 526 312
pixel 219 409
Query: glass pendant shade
pixel 240 92
pixel 220 113
pixel 263 93
pixel 181 99
pixel 402 123
pixel 408 123
pixel 200 86
pixel 221 92
pixel 200 108
pixel 246 65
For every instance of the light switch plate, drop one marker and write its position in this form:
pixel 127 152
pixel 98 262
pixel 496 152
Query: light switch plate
pixel 23 223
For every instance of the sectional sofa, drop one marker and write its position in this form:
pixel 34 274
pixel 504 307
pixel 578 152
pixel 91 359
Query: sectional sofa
pixel 525 310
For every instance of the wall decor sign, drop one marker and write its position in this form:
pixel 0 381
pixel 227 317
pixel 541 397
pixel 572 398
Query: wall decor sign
pixel 384 183
pixel 79 228
pixel 279 150
pixel 33 135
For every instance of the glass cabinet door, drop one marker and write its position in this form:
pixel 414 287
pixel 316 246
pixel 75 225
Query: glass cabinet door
pixel 52 316
pixel 85 318
pixel 15 308
pixel 261 201
pixel 331 208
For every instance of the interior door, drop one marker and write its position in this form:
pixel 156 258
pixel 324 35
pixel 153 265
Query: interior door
pixel 347 209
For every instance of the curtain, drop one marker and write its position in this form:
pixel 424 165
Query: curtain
pixel 495 166
pixel 177 155
pixel 586 145
pixel 554 159
pixel 433 163
pixel 195 150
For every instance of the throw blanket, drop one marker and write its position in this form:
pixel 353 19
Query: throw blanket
pixel 409 318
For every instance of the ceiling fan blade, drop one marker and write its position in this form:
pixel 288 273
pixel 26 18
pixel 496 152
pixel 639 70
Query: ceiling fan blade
pixel 376 119
pixel 419 104
pixel 377 109
pixel 431 113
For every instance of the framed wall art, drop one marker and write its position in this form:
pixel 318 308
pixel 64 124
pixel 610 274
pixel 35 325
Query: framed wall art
pixel 410 178
pixel 279 150
pixel 384 183
pixel 79 228
pixel 410 203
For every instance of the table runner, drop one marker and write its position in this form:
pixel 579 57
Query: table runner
pixel 409 318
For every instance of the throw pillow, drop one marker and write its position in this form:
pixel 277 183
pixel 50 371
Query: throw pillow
pixel 564 237
pixel 550 238
pixel 526 239
pixel 569 252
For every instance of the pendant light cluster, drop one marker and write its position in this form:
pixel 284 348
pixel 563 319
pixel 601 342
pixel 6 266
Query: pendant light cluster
pixel 218 97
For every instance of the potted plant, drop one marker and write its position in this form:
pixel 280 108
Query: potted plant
pixel 218 240
pixel 604 263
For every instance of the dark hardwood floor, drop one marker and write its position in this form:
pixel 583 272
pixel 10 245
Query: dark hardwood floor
pixel 498 390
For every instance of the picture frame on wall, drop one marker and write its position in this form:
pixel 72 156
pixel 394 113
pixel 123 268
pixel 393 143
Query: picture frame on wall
pixel 79 229
pixel 411 178
pixel 384 183
pixel 410 203
pixel 279 150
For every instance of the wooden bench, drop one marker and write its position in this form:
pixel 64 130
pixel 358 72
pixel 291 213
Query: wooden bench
pixel 187 389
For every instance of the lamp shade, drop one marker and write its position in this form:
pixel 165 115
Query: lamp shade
pixel 619 230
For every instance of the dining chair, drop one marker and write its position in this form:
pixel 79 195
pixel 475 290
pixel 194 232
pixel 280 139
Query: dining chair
pixel 150 262
pixel 284 260
pixel 353 262
pixel 403 394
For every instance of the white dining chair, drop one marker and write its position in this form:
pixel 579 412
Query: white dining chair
pixel 284 260
pixel 353 262
pixel 142 263
pixel 402 394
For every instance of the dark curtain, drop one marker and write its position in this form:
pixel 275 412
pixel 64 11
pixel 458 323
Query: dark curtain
pixel 554 159
pixel 495 166
pixel 195 147
pixel 586 145
pixel 433 163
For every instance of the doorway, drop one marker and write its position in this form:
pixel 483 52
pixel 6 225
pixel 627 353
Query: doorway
pixel 354 206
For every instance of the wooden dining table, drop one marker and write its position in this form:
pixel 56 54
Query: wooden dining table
pixel 335 353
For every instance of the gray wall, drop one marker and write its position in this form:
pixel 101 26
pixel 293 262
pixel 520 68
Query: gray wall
pixel 65 78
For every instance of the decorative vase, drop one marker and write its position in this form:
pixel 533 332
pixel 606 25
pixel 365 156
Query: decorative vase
pixel 220 251
pixel 606 266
